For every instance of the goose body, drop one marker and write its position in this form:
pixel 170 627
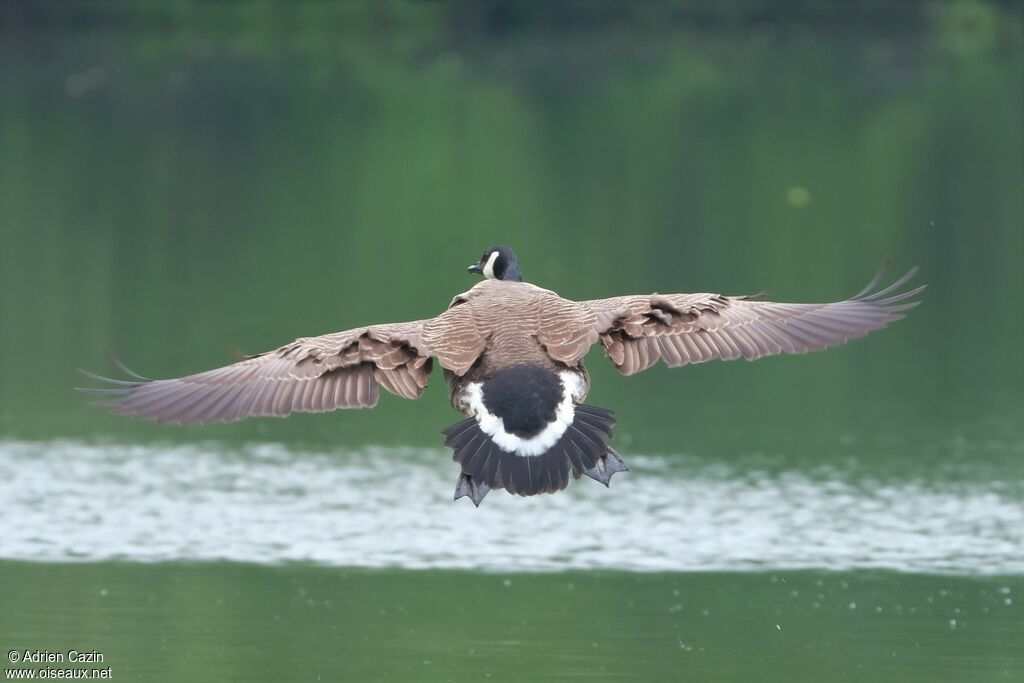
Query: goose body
pixel 522 391
pixel 512 356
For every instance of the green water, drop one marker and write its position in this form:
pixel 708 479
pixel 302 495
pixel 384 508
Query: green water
pixel 180 180
pixel 239 623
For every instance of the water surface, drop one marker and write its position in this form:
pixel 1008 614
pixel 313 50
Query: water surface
pixel 234 622
pixel 387 507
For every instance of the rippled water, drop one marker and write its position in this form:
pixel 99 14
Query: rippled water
pixel 381 507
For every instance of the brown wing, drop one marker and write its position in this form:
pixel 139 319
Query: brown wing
pixel 313 374
pixel 637 331
pixel 455 337
pixel 566 329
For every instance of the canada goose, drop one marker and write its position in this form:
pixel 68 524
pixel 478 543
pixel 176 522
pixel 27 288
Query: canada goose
pixel 512 356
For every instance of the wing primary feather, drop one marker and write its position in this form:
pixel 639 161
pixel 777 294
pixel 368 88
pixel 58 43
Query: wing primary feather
pixel 303 399
pixel 251 402
pixel 109 380
pixel 147 395
pixel 124 368
pixel 882 270
pixel 780 335
pixel 163 402
pixel 900 308
pixel 263 403
pixel 899 297
pixel 896 285
pixel 339 389
pixel 104 391
pixel 282 404
pixel 205 407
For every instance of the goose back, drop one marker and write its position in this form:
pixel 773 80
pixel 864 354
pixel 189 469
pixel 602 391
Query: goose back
pixel 499 324
pixel 502 324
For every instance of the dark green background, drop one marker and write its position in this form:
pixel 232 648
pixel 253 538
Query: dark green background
pixel 181 179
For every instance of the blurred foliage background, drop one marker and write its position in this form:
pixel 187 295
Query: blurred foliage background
pixel 181 179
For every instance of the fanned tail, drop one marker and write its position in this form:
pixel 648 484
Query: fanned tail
pixel 582 449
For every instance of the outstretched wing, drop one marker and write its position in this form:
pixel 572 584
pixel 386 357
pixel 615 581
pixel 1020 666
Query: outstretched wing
pixel 637 331
pixel 312 374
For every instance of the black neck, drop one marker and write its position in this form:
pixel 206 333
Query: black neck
pixel 512 272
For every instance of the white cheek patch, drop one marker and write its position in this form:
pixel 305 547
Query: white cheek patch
pixel 538 444
pixel 489 266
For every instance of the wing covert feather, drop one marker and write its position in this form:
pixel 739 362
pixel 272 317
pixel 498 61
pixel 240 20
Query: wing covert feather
pixel 455 337
pixel 566 329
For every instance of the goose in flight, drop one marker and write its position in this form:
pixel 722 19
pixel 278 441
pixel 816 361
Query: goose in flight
pixel 512 354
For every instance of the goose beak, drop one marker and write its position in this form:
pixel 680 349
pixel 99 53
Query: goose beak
pixel 476 268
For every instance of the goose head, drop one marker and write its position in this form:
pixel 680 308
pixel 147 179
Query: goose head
pixel 498 263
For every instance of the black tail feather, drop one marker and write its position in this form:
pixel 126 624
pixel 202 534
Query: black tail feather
pixel 582 450
pixel 576 457
pixel 596 423
pixel 488 469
